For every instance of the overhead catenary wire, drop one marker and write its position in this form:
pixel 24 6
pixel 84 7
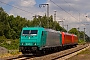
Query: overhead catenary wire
pixel 71 6
pixel 79 17
pixel 76 10
pixel 63 10
pixel 16 7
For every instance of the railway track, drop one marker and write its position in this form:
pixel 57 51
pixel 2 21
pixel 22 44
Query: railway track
pixel 22 57
pixel 62 55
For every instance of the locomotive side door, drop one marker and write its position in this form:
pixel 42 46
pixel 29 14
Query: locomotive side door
pixel 43 38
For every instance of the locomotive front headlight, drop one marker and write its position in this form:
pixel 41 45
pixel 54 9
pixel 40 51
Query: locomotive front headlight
pixel 22 44
pixel 34 43
pixel 26 43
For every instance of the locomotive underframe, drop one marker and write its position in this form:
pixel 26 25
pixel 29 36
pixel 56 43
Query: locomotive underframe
pixel 28 49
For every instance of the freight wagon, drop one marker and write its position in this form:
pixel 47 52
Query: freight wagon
pixel 69 39
pixel 39 39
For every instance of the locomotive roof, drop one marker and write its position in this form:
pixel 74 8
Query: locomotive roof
pixel 51 30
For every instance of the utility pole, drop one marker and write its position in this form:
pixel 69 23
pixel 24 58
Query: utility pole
pixel 78 33
pixel 67 28
pixel 43 5
pixel 84 34
pixel 55 15
pixel 62 23
pixel 79 17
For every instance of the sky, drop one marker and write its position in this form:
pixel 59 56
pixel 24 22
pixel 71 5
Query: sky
pixel 74 13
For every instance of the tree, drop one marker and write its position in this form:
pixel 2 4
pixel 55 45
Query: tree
pixel 1 29
pixel 11 26
pixel 73 31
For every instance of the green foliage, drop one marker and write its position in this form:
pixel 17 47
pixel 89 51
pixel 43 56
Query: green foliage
pixel 73 31
pixel 9 43
pixel 14 52
pixel 11 26
pixel 80 35
pixel 81 42
pixel 46 22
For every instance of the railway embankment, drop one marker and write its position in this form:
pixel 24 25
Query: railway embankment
pixel 59 55
pixel 83 55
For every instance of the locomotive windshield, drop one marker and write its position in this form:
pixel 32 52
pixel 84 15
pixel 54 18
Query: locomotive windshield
pixel 30 31
pixel 33 32
pixel 26 31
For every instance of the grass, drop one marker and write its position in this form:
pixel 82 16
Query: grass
pixel 5 55
pixel 87 51
pixel 81 42
pixel 9 44
pixel 11 53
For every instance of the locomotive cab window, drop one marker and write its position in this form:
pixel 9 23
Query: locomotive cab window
pixel 26 31
pixel 32 32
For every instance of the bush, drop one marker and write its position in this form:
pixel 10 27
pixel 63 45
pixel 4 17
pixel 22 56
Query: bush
pixel 10 44
pixel 14 52
pixel 81 42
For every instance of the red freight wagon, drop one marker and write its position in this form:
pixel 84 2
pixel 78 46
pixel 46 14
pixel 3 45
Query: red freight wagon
pixel 69 39
pixel 75 39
